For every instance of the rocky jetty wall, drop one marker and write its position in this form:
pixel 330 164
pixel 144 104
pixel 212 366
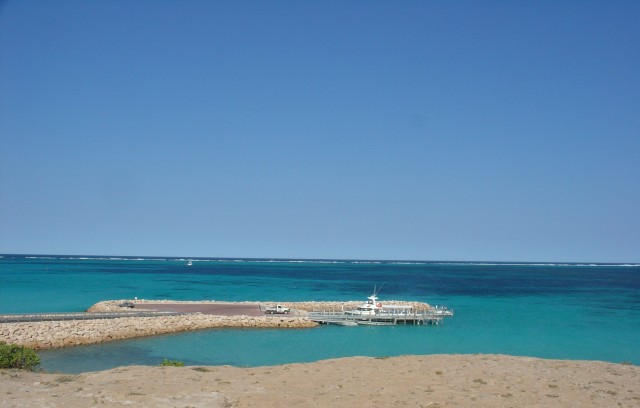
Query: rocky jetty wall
pixel 114 305
pixel 58 334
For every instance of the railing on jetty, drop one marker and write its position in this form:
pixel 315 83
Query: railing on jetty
pixel 431 317
pixel 54 317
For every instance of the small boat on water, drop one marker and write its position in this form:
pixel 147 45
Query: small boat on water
pixel 442 311
pixel 370 308
pixel 190 263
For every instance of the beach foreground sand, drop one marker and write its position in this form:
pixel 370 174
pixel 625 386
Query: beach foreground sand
pixel 413 381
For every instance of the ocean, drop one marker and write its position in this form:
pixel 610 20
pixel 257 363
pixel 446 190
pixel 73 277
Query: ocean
pixel 563 310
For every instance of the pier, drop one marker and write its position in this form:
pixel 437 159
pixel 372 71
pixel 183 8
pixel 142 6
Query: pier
pixel 382 318
pixel 375 313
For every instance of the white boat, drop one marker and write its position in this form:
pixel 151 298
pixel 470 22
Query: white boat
pixel 374 313
pixel 190 263
pixel 441 311
pixel 374 308
pixel 371 308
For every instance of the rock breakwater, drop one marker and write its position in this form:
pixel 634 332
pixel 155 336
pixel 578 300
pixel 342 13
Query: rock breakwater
pixel 59 334
pixel 114 305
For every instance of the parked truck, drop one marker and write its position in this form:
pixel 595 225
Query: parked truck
pixel 278 309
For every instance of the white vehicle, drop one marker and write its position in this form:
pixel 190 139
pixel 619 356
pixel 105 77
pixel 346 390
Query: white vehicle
pixel 279 309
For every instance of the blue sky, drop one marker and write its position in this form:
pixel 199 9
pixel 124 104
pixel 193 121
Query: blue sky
pixel 426 130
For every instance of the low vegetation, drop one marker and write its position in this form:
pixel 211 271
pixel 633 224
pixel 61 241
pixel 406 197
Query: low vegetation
pixel 21 357
pixel 171 363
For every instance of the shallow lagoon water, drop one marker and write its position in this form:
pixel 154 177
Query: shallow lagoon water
pixel 553 311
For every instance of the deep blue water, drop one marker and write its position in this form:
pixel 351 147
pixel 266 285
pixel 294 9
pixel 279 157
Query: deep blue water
pixel 569 311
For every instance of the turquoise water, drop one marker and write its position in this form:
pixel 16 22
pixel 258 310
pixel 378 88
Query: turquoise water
pixel 569 311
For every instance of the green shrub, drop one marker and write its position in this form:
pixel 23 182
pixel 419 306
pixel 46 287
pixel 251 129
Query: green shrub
pixel 171 363
pixel 13 356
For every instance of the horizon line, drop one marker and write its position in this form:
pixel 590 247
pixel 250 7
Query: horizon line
pixel 276 259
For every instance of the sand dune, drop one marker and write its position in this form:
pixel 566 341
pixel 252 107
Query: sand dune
pixel 411 381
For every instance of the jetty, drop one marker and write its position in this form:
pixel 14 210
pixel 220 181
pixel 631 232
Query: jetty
pixel 114 320
pixel 403 317
pixel 375 313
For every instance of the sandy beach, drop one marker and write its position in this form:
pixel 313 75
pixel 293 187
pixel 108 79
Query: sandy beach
pixel 414 381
